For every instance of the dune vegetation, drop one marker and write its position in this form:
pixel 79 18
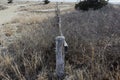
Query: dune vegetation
pixel 93 54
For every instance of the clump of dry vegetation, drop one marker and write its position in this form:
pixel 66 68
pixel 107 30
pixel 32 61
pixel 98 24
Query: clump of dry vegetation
pixel 94 47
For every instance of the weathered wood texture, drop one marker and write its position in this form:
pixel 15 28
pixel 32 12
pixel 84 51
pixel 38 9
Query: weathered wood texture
pixel 60 64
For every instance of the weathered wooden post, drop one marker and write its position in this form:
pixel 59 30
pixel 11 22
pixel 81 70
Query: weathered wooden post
pixel 60 56
pixel 61 48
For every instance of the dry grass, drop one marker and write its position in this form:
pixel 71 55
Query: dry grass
pixel 32 18
pixel 94 47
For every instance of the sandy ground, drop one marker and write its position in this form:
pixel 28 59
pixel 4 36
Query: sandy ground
pixel 7 14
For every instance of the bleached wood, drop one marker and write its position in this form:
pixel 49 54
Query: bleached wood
pixel 60 64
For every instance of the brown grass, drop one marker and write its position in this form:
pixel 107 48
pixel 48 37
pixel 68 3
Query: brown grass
pixel 93 54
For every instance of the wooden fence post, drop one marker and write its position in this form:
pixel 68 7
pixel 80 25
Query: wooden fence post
pixel 60 63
